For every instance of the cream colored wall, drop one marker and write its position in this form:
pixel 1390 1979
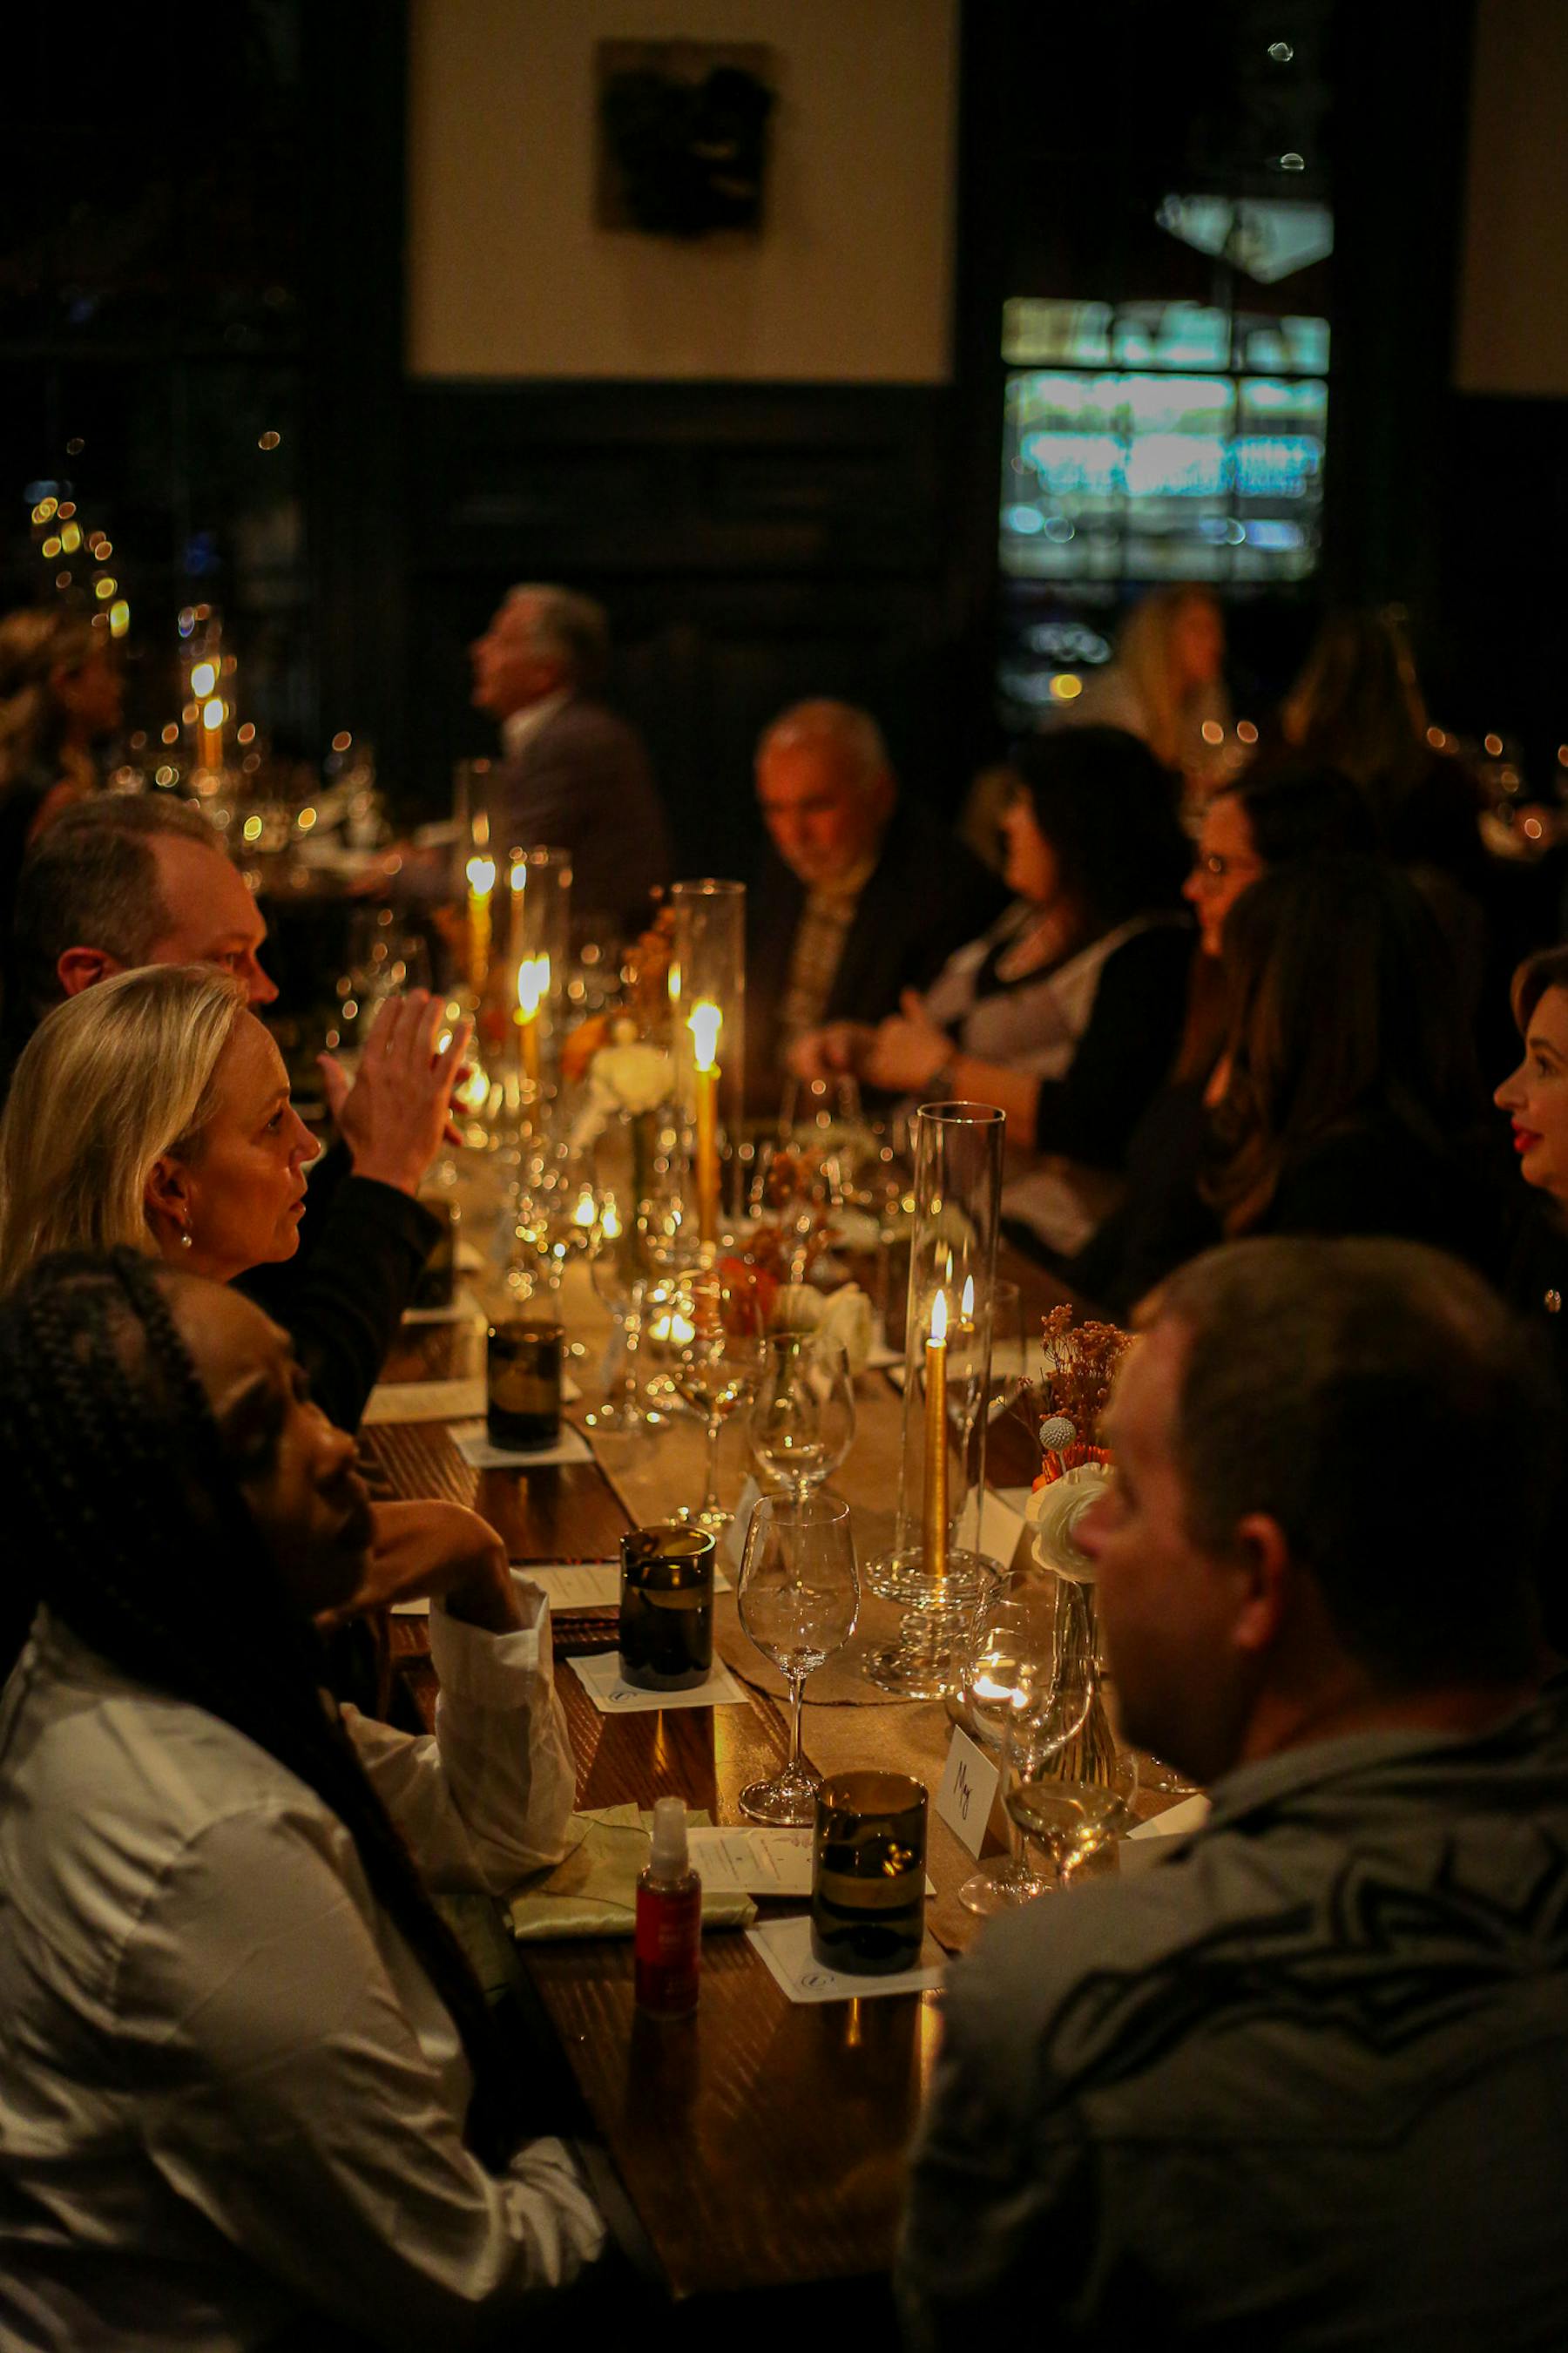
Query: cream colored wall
pixel 1513 295
pixel 850 282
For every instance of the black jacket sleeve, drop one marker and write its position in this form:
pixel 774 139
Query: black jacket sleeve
pixel 1124 1054
pixel 341 1299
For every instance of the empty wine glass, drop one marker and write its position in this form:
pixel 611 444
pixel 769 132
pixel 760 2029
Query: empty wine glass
pixel 1011 1654
pixel 796 1187
pixel 798 1597
pixel 616 1270
pixel 802 1424
pixel 703 1329
pixel 1067 1786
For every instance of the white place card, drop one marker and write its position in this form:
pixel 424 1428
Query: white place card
pixel 464 1308
pixel 755 1861
pixel 601 1679
pixel 467 1258
pixel 785 1946
pixel 473 1443
pixel 396 1402
pixel 967 1791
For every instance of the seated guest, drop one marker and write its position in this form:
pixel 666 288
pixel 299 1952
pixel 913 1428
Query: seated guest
pixel 575 774
pixel 1345 1099
pixel 249 2084
pixel 862 897
pixel 1066 1013
pixel 1166 683
pixel 143 881
pixel 1249 828
pixel 1536 1277
pixel 61 693
pixel 153 1112
pixel 1301 2083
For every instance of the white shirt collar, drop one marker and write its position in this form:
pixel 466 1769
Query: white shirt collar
pixel 524 725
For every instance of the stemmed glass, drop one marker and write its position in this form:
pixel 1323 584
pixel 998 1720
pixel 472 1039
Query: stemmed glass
pixel 704 1332
pixel 566 1214
pixel 1067 1786
pixel 798 1597
pixel 796 1186
pixel 802 1423
pixel 1013 1655
pixel 616 1270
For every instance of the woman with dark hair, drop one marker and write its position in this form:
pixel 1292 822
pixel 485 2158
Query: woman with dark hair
pixel 1251 827
pixel 1346 1099
pixel 246 2074
pixel 1066 1013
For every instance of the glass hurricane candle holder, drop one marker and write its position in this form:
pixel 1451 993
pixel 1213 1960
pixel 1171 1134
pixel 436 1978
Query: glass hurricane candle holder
pixel 708 1032
pixel 940 1580
pixel 538 945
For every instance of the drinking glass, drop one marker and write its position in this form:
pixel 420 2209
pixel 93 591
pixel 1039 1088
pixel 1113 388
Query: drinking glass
pixel 795 1187
pixel 802 1423
pixel 1012 1655
pixel 702 1329
pixel 798 1597
pixel 1067 1786
pixel 616 1270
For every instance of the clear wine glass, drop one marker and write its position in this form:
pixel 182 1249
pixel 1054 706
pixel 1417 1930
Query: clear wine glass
pixel 796 1187
pixel 616 1270
pixel 1067 1786
pixel 1012 1655
pixel 802 1424
pixel 798 1597
pixel 703 1329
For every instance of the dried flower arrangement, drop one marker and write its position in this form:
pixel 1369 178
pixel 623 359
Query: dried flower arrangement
pixel 1081 1362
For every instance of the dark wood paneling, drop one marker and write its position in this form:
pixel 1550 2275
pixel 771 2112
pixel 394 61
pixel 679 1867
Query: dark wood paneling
pixel 752 545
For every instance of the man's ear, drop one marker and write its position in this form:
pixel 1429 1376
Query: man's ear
pixel 79 968
pixel 1264 1571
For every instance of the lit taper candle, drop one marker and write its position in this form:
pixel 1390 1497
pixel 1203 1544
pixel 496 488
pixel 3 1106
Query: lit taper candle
pixel 934 1515
pixel 532 987
pixel 481 882
pixel 704 1025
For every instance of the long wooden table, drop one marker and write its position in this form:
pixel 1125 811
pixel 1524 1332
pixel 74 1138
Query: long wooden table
pixel 762 2144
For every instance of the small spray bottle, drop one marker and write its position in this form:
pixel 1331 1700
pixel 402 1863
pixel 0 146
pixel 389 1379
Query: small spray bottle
pixel 669 1919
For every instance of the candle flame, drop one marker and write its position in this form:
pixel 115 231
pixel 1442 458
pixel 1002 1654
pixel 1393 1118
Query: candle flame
pixel 585 1213
pixel 518 876
pixel 938 1318
pixel 705 1025
pixel 482 876
pixel 204 678
pixel 532 984
pixel 212 713
pixel 610 1222
pixel 966 1308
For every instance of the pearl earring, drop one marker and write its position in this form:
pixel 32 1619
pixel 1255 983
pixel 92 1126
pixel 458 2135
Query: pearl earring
pixel 185 1241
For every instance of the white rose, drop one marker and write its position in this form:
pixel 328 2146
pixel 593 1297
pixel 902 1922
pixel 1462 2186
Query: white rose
pixel 1054 1513
pixel 847 1318
pixel 636 1076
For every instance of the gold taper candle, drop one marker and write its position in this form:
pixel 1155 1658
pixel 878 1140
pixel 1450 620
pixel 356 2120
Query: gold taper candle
pixel 704 1025
pixel 481 882
pixel 934 1517
pixel 532 985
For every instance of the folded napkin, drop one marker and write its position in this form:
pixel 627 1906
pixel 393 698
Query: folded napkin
pixel 593 1891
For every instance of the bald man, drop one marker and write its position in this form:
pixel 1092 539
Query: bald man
pixel 860 897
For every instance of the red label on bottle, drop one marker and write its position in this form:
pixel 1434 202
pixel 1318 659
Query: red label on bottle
pixel 669 1949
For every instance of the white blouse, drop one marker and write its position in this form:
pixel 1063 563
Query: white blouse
pixel 228 2093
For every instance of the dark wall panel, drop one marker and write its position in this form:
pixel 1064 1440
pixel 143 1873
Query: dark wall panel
pixel 752 545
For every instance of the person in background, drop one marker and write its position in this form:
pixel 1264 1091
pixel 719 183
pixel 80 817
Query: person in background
pixel 1249 828
pixel 1066 1013
pixel 863 895
pixel 574 775
pixel 1166 684
pixel 1535 1095
pixel 1346 1098
pixel 139 880
pixel 247 2079
pixel 60 694
pixel 1244 2090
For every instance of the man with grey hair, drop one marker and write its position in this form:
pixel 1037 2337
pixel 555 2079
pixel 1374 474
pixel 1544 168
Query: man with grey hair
pixel 575 774
pixel 1301 2083
pixel 860 899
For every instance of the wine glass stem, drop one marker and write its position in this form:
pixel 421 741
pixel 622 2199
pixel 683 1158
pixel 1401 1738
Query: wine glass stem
pixel 711 1500
pixel 797 1701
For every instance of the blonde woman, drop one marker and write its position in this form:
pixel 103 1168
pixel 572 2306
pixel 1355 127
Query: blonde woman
pixel 1167 682
pixel 153 1111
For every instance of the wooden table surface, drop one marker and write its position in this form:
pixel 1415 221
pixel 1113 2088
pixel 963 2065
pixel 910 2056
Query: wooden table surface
pixel 761 2143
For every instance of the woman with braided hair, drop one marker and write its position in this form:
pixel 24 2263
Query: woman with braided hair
pixel 246 2076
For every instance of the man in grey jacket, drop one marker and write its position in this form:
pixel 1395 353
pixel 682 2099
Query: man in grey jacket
pixel 575 774
pixel 1302 2083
